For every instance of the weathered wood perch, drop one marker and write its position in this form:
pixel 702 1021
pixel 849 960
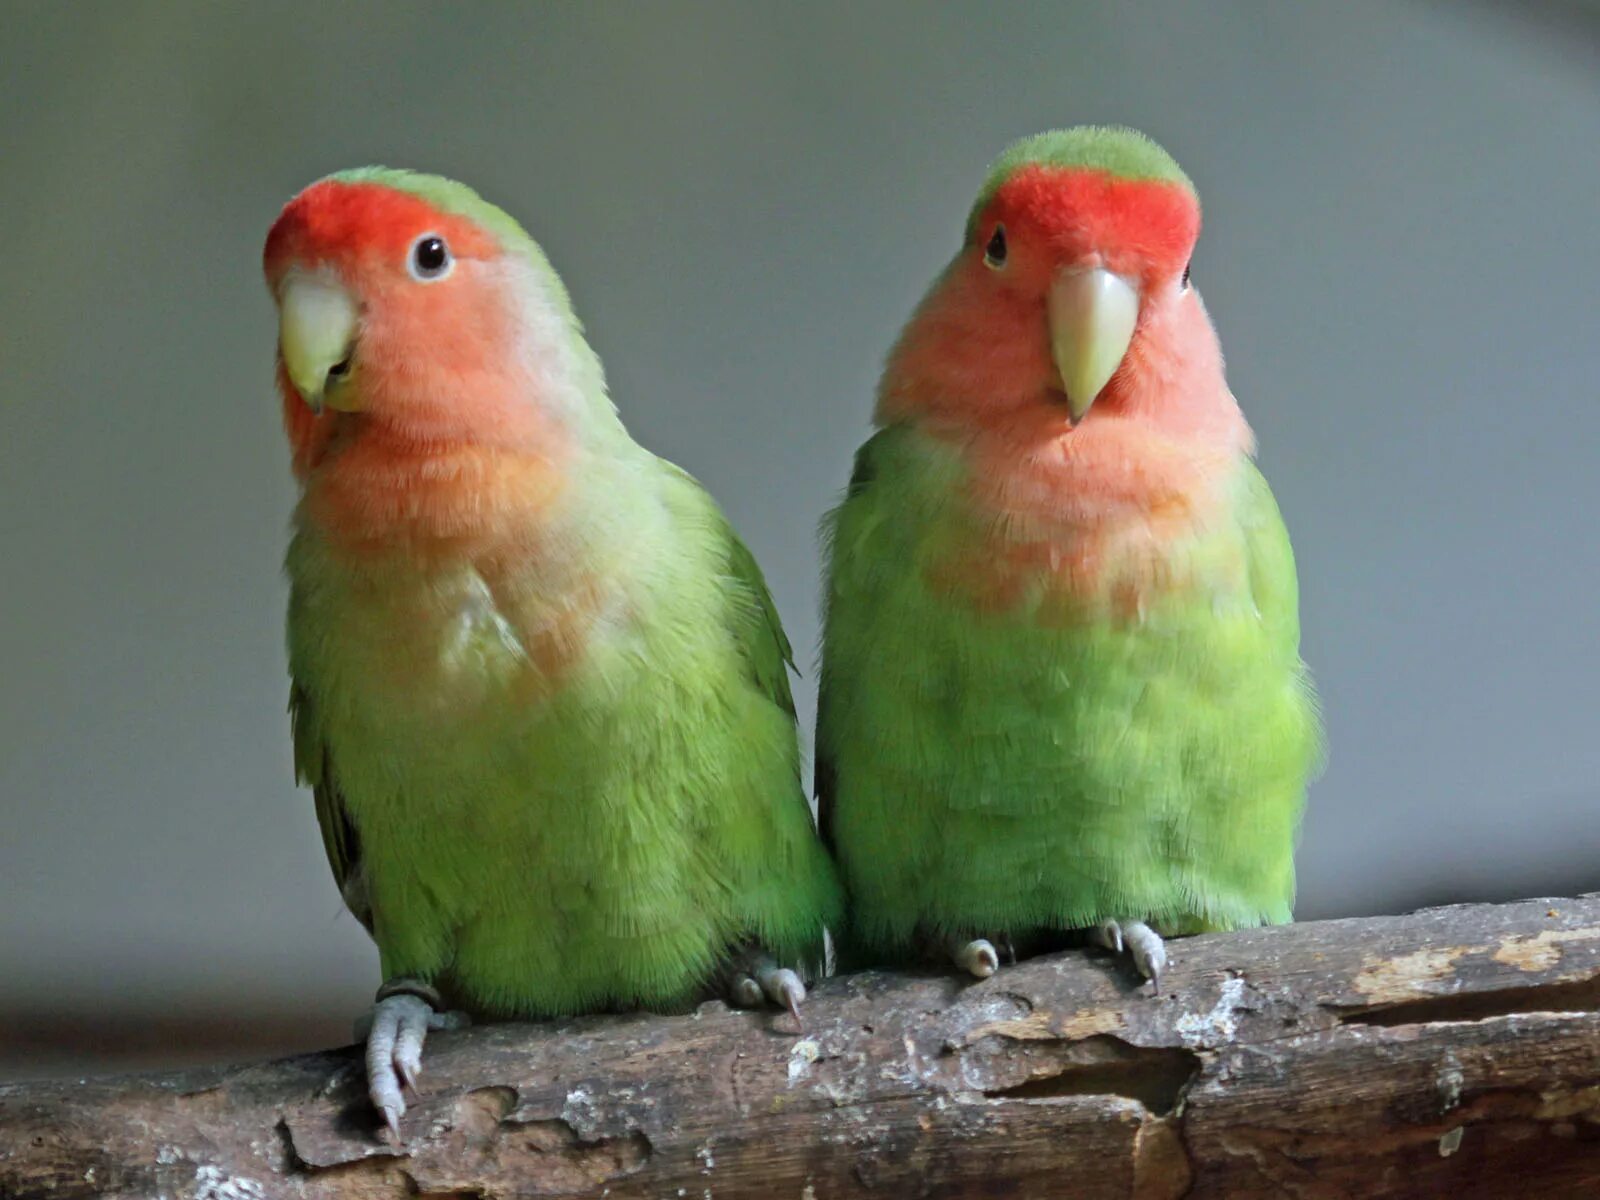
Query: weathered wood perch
pixel 1455 1052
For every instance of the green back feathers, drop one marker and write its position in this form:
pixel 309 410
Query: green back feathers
pixel 1115 149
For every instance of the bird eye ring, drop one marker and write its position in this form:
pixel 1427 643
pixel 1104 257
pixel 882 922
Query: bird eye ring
pixel 430 258
pixel 994 254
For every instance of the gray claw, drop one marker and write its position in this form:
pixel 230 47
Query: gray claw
pixel 976 957
pixel 394 1055
pixel 1149 952
pixel 745 992
pixel 1109 935
pixel 782 986
pixel 1141 943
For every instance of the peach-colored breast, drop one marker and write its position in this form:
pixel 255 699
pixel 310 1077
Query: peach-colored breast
pixel 1073 524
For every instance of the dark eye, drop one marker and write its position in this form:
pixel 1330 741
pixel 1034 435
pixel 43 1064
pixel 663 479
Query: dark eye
pixel 995 252
pixel 1183 284
pixel 430 257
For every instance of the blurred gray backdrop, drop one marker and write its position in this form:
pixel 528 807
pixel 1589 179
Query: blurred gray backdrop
pixel 1402 252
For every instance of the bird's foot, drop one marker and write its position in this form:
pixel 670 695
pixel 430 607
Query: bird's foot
pixel 978 957
pixel 755 979
pixel 402 1014
pixel 1139 942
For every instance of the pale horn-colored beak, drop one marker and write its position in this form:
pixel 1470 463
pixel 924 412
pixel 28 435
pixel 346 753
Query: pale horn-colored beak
pixel 317 322
pixel 1092 314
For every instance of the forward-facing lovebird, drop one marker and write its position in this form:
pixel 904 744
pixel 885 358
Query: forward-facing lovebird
pixel 1061 684
pixel 539 688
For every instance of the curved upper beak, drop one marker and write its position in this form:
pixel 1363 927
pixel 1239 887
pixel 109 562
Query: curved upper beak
pixel 1092 314
pixel 317 323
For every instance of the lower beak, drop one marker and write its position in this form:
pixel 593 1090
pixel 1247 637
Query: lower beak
pixel 1092 314
pixel 317 322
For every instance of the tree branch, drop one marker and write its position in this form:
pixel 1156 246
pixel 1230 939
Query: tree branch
pixel 1452 1052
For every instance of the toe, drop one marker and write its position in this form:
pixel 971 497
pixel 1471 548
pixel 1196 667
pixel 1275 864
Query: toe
pixel 383 1086
pixel 394 1055
pixel 783 986
pixel 976 957
pixel 408 1047
pixel 1109 935
pixel 1148 951
pixel 745 992
pixel 391 1114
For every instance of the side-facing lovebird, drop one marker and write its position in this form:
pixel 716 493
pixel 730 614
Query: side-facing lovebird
pixel 540 690
pixel 1061 684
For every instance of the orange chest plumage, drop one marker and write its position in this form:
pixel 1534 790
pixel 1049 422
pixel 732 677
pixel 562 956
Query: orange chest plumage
pixel 1084 524
pixel 425 531
pixel 434 501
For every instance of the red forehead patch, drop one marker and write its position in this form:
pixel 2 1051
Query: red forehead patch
pixel 334 220
pixel 1150 222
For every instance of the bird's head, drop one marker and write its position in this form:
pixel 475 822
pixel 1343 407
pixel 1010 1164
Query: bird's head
pixel 1074 265
pixel 408 298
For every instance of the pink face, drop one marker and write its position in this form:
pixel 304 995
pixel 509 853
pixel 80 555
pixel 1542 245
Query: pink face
pixel 1052 218
pixel 980 350
pixel 432 347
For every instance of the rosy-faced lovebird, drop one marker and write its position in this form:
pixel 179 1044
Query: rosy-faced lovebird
pixel 539 688
pixel 1061 684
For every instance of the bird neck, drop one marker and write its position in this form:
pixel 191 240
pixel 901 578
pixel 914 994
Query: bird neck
pixel 1159 438
pixel 377 487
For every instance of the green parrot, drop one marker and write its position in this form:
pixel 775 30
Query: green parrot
pixel 540 690
pixel 1061 683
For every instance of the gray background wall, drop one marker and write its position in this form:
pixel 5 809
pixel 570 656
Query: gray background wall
pixel 1402 252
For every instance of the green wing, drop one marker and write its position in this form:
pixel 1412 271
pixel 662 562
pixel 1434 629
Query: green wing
pixel 1275 588
pixel 313 766
pixel 792 891
pixel 755 623
pixel 1273 583
pixel 759 630
pixel 863 471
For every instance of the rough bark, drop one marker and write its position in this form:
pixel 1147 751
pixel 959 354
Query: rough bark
pixel 1454 1052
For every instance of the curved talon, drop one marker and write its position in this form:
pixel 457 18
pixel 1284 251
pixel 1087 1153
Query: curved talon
pixel 1109 935
pixel 1139 941
pixel 1148 951
pixel 976 957
pixel 782 986
pixel 408 1051
pixel 755 979
pixel 394 1055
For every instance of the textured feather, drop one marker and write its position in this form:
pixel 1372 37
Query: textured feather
pixel 540 688
pixel 339 840
pixel 1029 769
pixel 559 844
pixel 1061 680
